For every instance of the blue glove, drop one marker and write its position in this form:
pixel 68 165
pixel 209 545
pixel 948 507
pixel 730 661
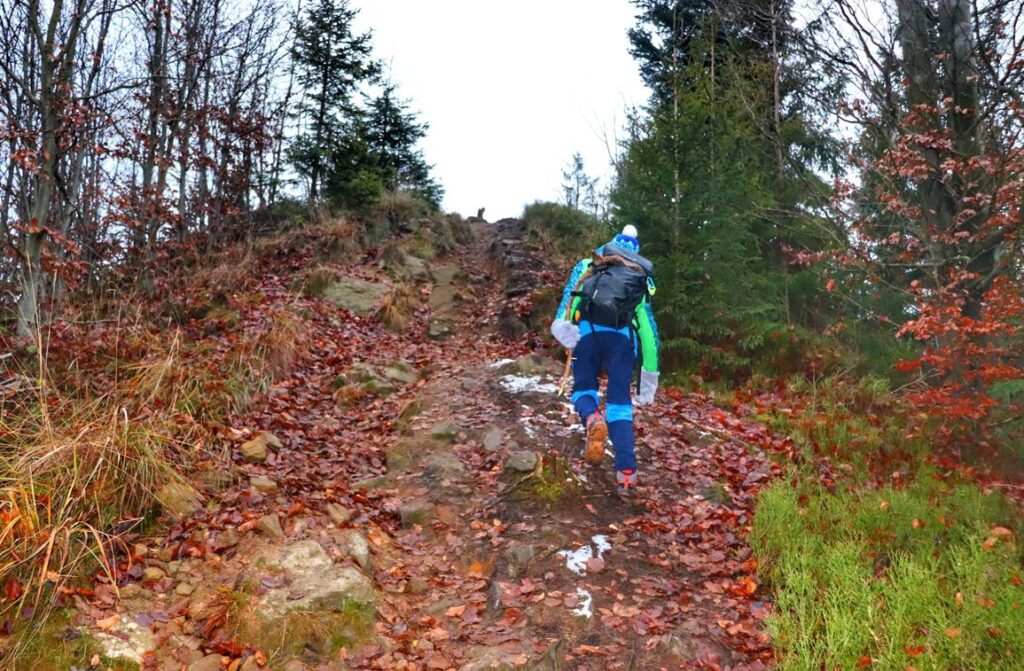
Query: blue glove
pixel 568 334
pixel 648 386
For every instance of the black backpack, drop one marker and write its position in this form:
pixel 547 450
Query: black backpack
pixel 615 285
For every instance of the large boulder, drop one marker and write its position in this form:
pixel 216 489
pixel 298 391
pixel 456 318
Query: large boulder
pixel 316 582
pixel 359 296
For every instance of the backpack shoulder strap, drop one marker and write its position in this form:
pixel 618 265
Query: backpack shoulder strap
pixel 575 293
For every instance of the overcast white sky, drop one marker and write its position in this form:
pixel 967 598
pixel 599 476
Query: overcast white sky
pixel 510 89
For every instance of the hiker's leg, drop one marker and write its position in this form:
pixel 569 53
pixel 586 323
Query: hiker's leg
pixel 618 361
pixel 586 361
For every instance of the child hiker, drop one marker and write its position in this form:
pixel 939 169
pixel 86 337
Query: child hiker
pixel 606 323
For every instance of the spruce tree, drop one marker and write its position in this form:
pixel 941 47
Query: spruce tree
pixel 392 132
pixel 331 62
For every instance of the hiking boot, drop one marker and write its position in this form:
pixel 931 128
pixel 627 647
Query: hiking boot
pixel 626 480
pixel 597 434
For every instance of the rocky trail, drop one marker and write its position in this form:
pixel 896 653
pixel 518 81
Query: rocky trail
pixel 416 500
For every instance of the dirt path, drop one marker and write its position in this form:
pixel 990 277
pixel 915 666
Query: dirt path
pixel 428 510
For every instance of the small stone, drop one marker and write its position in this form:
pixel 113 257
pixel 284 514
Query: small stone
pixel 401 372
pixel 271 526
pixel 294 665
pixel 338 514
pixel 215 479
pixel 357 548
pixel 228 538
pixel 152 574
pixel 493 440
pixel 132 591
pixel 263 484
pixel 255 450
pixel 184 589
pixel 523 461
pixel 378 388
pixel 376 482
pixel 446 430
pixel 178 499
pixel 439 329
pixel 415 512
pixel 520 553
pixel 445 466
pixel 208 663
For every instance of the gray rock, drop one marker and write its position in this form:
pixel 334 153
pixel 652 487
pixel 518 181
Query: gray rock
pixel 401 372
pixel 444 466
pixel 493 440
pixel 532 364
pixel 520 553
pixel 354 544
pixel 316 582
pixel 356 295
pixel 415 512
pixel 270 525
pixel 228 538
pixel 439 328
pixel 256 450
pixel 184 589
pixel 215 479
pixel 446 430
pixel 378 388
pixel 152 574
pixel 376 482
pixel 338 514
pixel 263 484
pixel 522 461
pixel 179 499
pixel 126 640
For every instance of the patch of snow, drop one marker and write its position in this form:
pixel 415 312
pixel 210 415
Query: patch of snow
pixel 500 362
pixel 520 384
pixel 576 560
pixel 585 607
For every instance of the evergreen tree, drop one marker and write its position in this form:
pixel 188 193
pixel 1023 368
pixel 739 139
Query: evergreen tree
pixel 392 132
pixel 331 62
pixel 719 175
pixel 578 187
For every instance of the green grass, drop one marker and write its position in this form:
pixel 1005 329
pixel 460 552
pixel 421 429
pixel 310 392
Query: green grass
pixel 54 645
pixel 911 577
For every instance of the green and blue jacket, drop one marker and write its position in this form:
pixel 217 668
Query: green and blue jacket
pixel 645 327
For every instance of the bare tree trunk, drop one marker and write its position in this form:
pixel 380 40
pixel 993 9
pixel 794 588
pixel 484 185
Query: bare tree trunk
pixel 54 77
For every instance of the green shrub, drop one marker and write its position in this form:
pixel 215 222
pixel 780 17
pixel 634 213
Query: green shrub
pixel 570 231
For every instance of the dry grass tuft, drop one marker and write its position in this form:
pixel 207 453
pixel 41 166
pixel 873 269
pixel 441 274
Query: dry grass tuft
pixel 396 308
pixel 76 473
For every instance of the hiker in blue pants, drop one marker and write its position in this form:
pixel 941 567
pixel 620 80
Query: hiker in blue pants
pixel 605 320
